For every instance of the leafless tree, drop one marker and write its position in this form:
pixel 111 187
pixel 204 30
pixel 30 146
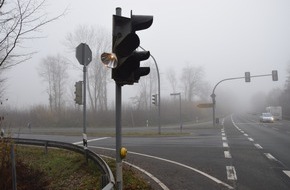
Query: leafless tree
pixel 98 75
pixel 19 21
pixel 53 71
pixel 192 80
pixel 171 76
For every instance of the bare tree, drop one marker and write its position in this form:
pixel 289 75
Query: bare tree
pixel 171 76
pixel 191 81
pixel 98 75
pixel 20 19
pixel 53 70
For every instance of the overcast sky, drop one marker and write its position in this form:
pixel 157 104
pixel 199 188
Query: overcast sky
pixel 225 37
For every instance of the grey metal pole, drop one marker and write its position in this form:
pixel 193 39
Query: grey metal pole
pixel 159 96
pixel 119 173
pixel 14 176
pixel 180 112
pixel 84 106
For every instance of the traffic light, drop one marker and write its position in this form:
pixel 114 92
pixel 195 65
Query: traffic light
pixel 275 75
pixel 125 59
pixel 154 99
pixel 79 92
pixel 247 77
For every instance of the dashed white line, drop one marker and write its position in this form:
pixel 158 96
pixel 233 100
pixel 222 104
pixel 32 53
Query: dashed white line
pixel 225 145
pixel 270 157
pixel 251 139
pixel 246 135
pixel 231 173
pixel 287 172
pixel 227 154
pixel 258 146
pixel 224 138
pixel 223 134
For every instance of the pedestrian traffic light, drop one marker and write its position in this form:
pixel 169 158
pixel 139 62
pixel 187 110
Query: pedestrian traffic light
pixel 154 99
pixel 275 75
pixel 79 92
pixel 125 60
pixel 247 77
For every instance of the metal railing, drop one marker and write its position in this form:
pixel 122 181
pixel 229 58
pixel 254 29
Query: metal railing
pixel 108 180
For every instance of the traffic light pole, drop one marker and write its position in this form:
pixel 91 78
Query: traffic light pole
pixel 213 94
pixel 159 99
pixel 119 173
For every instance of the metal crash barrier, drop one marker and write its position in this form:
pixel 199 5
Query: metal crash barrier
pixel 108 180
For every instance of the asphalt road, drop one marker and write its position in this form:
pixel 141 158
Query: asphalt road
pixel 241 153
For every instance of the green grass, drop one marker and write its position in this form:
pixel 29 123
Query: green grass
pixel 61 169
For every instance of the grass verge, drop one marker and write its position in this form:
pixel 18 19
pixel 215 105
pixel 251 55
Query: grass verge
pixel 61 169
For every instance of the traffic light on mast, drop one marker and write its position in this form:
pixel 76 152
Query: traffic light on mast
pixel 247 77
pixel 275 75
pixel 125 60
pixel 79 92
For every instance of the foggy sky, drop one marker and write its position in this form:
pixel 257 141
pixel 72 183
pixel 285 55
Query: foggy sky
pixel 225 37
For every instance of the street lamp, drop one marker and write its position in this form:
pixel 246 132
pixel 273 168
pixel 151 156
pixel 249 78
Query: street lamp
pixel 180 120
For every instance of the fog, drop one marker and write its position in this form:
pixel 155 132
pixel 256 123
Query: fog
pixel 227 38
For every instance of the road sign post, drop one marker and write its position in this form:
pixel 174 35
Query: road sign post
pixel 84 56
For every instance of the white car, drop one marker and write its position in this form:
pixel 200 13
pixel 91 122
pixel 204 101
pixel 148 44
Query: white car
pixel 267 117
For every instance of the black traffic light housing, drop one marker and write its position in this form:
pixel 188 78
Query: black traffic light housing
pixel 247 77
pixel 125 43
pixel 275 75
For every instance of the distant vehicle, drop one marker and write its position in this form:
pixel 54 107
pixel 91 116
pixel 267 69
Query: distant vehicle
pixel 276 111
pixel 266 117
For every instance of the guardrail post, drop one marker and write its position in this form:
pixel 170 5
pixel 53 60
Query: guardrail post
pixel 104 181
pixel 14 178
pixel 45 147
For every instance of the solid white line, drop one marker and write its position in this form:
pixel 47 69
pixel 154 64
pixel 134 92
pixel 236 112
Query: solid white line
pixel 225 145
pixel 258 146
pixel 287 172
pixel 270 157
pixel 91 140
pixel 231 173
pixel 176 163
pixel 227 154
pixel 162 185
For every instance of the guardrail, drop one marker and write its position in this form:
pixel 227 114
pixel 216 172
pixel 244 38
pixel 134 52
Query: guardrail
pixel 108 180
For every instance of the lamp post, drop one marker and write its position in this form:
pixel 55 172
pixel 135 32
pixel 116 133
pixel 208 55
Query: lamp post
pixel 180 120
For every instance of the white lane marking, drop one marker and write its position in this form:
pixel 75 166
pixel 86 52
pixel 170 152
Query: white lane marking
pixel 91 140
pixel 231 173
pixel 251 139
pixel 224 138
pixel 246 135
pixel 225 145
pixel 275 128
pixel 270 157
pixel 242 131
pixel 287 172
pixel 162 185
pixel 223 134
pixel 176 163
pixel 258 146
pixel 227 154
